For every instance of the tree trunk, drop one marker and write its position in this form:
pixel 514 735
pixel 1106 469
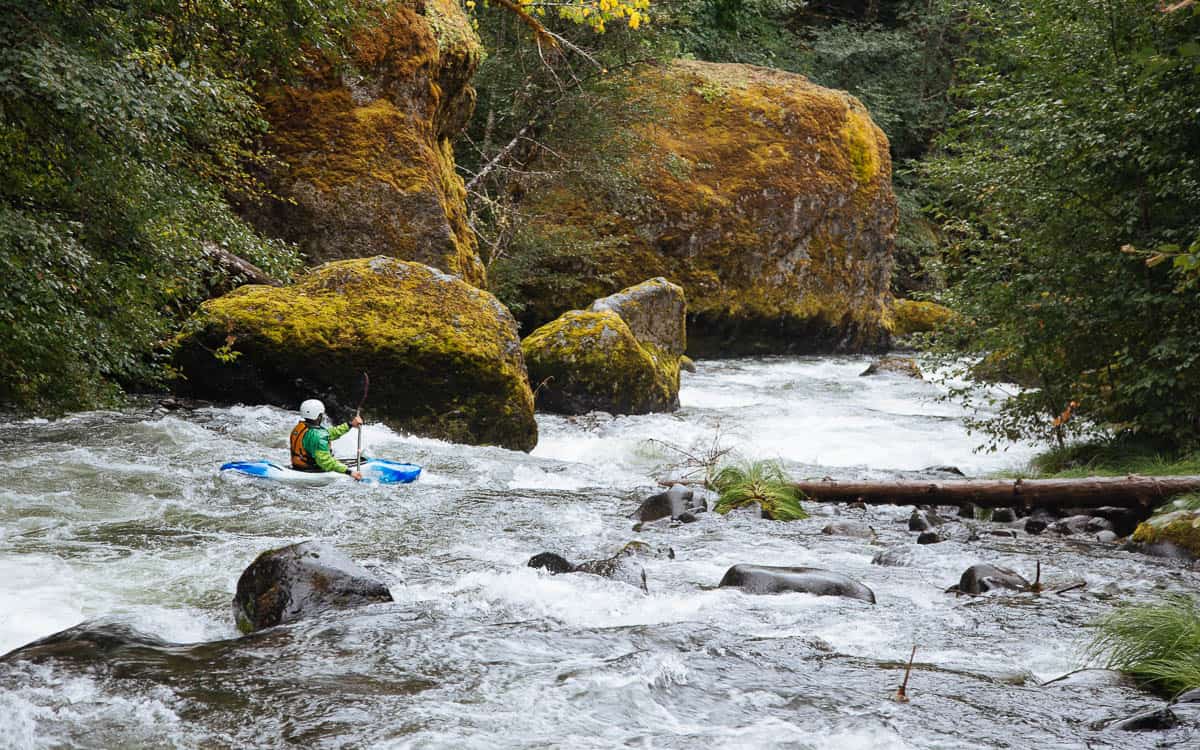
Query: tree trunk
pixel 239 267
pixel 1087 492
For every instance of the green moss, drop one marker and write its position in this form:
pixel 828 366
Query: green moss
pixel 1179 527
pixel 910 316
pixel 785 228
pixel 443 356
pixel 586 361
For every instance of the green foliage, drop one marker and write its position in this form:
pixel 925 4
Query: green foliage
pixel 124 129
pixel 1157 644
pixel 1077 139
pixel 762 482
pixel 1115 458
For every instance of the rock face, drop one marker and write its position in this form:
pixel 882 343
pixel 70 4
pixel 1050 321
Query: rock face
pixel 621 356
pixel 763 579
pixel 767 197
pixel 368 162
pixel 301 580
pixel 443 357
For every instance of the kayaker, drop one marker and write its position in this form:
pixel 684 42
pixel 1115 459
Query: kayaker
pixel 310 441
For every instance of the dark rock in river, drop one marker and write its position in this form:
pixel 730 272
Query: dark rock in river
pixel 1148 721
pixel 929 537
pixel 87 641
pixel 980 578
pixel 1004 515
pixel 1071 525
pixel 1093 678
pixel 301 580
pixel 954 470
pixel 906 366
pixel 1009 533
pixel 966 510
pixel 623 566
pixel 1034 526
pixel 922 520
pixel 673 504
pixel 1124 520
pixel 846 528
pixel 764 579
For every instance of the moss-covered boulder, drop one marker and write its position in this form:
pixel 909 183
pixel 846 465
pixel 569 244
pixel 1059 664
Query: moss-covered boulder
pixel 1173 531
pixel 367 163
pixel 444 357
pixel 654 310
pixel 302 580
pixel 767 197
pixel 591 361
pixel 912 316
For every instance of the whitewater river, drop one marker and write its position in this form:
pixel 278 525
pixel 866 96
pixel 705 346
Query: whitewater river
pixel 121 518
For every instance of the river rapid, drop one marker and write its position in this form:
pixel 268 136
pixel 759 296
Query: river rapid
pixel 120 518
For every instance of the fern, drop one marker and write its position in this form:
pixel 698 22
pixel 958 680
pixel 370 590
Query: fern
pixel 762 482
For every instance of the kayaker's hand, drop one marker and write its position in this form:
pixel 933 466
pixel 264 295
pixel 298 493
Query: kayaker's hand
pixel 356 422
pixel 356 476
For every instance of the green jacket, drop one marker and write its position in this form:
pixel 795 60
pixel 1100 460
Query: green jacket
pixel 316 444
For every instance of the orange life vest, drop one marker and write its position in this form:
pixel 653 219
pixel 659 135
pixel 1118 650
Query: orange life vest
pixel 300 458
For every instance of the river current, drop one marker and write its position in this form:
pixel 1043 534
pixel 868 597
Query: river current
pixel 121 519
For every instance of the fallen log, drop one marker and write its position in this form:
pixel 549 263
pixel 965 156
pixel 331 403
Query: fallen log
pixel 239 268
pixel 1086 492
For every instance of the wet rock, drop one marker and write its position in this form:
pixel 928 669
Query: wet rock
pixel 672 504
pixel 929 537
pixel 1093 678
pixel 1148 721
pixel 943 470
pixel 301 580
pixel 906 366
pixel 1071 525
pixel 982 578
pixel 625 566
pixel 687 364
pixel 846 528
pixel 764 579
pixel 1124 520
pixel 1107 537
pixel 686 517
pixel 95 640
pixel 924 520
pixel 900 556
pixel 1004 515
pixel 1190 696
pixel 966 510
pixel 1008 533
pixel 1035 526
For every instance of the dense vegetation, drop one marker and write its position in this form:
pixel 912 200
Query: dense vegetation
pixel 125 126
pixel 1157 644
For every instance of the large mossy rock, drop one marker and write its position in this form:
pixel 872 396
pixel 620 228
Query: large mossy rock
pixel 767 197
pixel 591 361
pixel 367 163
pixel 302 580
pixel 913 316
pixel 654 310
pixel 1173 531
pixel 444 357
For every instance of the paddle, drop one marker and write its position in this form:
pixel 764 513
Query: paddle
pixel 358 413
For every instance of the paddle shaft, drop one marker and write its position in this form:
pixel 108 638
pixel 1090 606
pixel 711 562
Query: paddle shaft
pixel 358 413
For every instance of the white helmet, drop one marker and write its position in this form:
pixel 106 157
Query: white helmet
pixel 312 409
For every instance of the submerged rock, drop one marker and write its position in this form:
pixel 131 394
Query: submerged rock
pixel 982 578
pixel 929 537
pixel 675 503
pixel 444 357
pixel 1155 720
pixel 766 196
pixel 1004 515
pixel 301 580
pixel 921 520
pixel 900 556
pixel 764 579
pixel 906 366
pixel 1035 526
pixel 845 528
pixel 625 566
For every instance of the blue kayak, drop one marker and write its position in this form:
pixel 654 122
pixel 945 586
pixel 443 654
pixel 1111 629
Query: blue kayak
pixel 374 470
